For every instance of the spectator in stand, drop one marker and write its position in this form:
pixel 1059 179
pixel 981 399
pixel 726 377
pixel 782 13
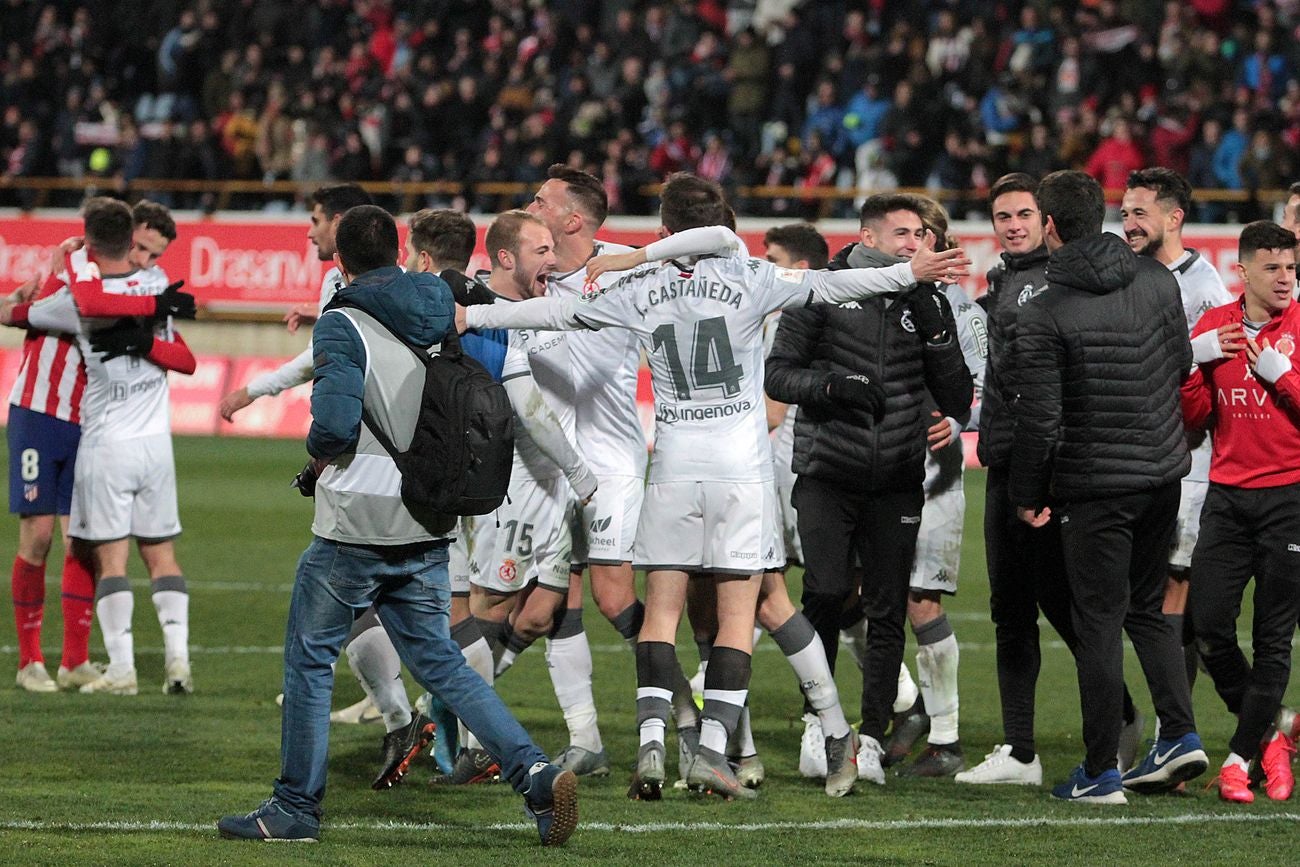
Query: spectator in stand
pixel 1264 70
pixel 825 119
pixel 1232 147
pixel 747 74
pixel 1114 160
pixel 676 152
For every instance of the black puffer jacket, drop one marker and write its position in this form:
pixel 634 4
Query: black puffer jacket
pixel 1099 360
pixel 875 337
pixel 1012 285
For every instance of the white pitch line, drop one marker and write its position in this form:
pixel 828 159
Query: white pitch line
pixel 661 827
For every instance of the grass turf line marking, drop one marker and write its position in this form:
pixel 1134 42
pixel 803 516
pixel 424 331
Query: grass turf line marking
pixel 658 827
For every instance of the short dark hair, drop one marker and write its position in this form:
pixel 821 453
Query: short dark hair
pixel 875 207
pixel 1015 182
pixel 109 226
pixel 338 198
pixel 154 216
pixel 503 234
pixel 688 201
pixel 585 189
pixel 1168 185
pixel 1263 235
pixel 1293 190
pixel 1075 203
pixel 802 241
pixel 446 235
pixel 366 239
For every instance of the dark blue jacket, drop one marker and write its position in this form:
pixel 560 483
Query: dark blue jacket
pixel 417 307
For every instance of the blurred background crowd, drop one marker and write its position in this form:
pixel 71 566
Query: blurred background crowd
pixel 942 94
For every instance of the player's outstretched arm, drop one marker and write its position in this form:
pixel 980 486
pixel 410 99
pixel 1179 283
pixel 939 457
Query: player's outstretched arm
pixel 544 428
pixel 544 314
pixel 293 372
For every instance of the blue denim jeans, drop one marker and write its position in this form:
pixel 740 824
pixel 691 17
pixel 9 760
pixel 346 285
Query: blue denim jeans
pixel 411 593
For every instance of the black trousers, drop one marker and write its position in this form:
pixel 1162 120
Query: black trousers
pixel 1026 572
pixel 835 524
pixel 1247 532
pixel 1116 555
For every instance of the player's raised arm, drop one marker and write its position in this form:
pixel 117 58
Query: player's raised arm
pixel 688 243
pixel 543 427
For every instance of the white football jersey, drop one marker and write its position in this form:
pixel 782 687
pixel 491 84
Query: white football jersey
pixel 127 396
pixel 544 355
pixel 703 332
pixel 331 283
pixel 972 333
pixel 604 365
pixel 1200 284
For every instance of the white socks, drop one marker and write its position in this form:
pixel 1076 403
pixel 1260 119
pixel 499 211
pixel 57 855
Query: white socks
pixel 172 602
pixel 479 657
pixel 569 661
pixel 907 691
pixel 114 606
pixel 375 662
pixel 936 668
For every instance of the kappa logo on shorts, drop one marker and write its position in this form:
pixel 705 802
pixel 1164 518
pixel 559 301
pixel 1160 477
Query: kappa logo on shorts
pixel 508 572
pixel 600 525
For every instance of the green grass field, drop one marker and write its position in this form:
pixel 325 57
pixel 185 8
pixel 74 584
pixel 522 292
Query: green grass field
pixel 101 779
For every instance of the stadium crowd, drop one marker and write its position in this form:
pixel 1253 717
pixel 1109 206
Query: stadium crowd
pixel 946 94
pixel 1140 424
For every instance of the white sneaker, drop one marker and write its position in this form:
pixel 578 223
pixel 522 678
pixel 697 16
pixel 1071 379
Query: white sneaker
pixel 34 678
pixel 999 767
pixel 812 748
pixel 78 676
pixel 113 683
pixel 178 680
pixel 363 711
pixel 870 752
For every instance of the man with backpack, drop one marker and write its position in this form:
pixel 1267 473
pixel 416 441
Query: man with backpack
pixel 377 544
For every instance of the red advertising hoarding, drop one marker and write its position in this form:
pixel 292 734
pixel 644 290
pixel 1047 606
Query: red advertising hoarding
pixel 259 263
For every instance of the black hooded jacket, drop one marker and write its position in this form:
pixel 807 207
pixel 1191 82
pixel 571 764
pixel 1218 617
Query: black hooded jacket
pixel 1098 362
pixel 1013 283
pixel 875 337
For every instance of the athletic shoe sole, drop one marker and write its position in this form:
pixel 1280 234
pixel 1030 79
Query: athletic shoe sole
pixel 564 809
pixel 1180 769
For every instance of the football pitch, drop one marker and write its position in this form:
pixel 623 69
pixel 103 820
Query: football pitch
pixel 105 779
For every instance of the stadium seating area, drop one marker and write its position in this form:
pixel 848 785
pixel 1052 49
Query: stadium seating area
pixel 944 93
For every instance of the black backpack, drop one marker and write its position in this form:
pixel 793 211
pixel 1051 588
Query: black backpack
pixel 463 447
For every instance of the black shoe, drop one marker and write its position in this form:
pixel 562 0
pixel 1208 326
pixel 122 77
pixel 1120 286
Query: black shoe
pixel 472 766
pixel 400 747
pixel 937 760
pixel 909 727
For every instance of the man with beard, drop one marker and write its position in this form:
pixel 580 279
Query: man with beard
pixel 1155 205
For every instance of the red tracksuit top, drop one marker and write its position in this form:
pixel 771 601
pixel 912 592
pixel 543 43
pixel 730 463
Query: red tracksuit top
pixel 1255 425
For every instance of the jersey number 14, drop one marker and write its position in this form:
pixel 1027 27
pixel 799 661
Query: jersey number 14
pixel 713 365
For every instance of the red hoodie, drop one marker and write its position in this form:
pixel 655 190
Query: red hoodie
pixel 1256 425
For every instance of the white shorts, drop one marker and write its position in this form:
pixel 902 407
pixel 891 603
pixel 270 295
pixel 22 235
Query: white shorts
pixel 938 543
pixel 605 529
pixel 125 489
pixel 526 540
pixel 782 456
pixel 1195 484
pixel 727 527
pixel 458 556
